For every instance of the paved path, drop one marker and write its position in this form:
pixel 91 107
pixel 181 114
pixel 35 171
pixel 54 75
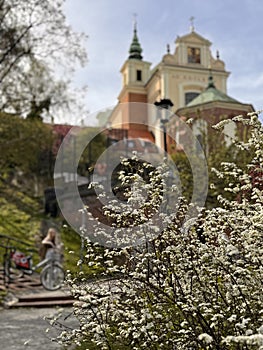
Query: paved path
pixel 25 328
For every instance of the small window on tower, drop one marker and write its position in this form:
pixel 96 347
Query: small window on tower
pixel 139 75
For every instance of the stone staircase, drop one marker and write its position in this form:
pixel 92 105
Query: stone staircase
pixel 25 282
pixel 40 299
pixel 27 291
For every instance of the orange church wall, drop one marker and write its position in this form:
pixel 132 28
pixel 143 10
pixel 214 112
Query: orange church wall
pixel 133 97
pixel 134 115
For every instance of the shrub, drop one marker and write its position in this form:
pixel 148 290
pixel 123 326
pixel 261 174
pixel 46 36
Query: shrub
pixel 195 285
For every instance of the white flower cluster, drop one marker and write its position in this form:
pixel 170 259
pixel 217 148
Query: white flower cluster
pixel 199 288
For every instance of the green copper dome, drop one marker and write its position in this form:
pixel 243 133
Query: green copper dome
pixel 135 48
pixel 211 94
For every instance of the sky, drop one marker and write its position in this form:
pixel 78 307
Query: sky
pixel 234 27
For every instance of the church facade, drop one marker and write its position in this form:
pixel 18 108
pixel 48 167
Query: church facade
pixel 190 78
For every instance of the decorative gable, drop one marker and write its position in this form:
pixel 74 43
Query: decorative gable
pixel 192 38
pixel 193 49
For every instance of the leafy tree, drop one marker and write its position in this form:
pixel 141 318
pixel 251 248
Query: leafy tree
pixel 217 153
pixel 93 150
pixel 26 148
pixel 220 154
pixel 181 290
pixel 38 53
pixel 184 170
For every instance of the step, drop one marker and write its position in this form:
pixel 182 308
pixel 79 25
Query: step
pixel 43 303
pixel 45 297
pixel 39 298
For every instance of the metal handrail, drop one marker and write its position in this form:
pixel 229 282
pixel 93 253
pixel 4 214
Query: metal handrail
pixel 14 239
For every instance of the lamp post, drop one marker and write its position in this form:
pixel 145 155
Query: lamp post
pixel 108 144
pixel 164 104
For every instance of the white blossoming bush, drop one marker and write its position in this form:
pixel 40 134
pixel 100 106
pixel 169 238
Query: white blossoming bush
pixel 195 286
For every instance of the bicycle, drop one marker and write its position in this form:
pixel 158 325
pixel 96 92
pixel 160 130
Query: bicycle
pixel 16 264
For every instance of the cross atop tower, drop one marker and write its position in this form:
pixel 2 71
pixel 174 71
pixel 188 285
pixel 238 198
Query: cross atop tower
pixel 135 15
pixel 192 28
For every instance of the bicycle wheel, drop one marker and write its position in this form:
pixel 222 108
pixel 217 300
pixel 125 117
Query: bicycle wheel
pixel 10 269
pixel 52 276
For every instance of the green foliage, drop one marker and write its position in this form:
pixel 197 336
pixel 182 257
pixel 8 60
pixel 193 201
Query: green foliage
pixel 184 169
pixel 20 218
pixel 218 154
pixel 94 149
pixel 19 213
pixel 74 255
pixel 25 147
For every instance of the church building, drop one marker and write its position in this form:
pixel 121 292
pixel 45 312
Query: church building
pixel 189 81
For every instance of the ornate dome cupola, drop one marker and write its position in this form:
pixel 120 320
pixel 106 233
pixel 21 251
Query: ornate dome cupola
pixel 211 94
pixel 135 48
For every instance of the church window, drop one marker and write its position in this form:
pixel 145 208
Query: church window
pixel 139 75
pixel 189 96
pixel 193 55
